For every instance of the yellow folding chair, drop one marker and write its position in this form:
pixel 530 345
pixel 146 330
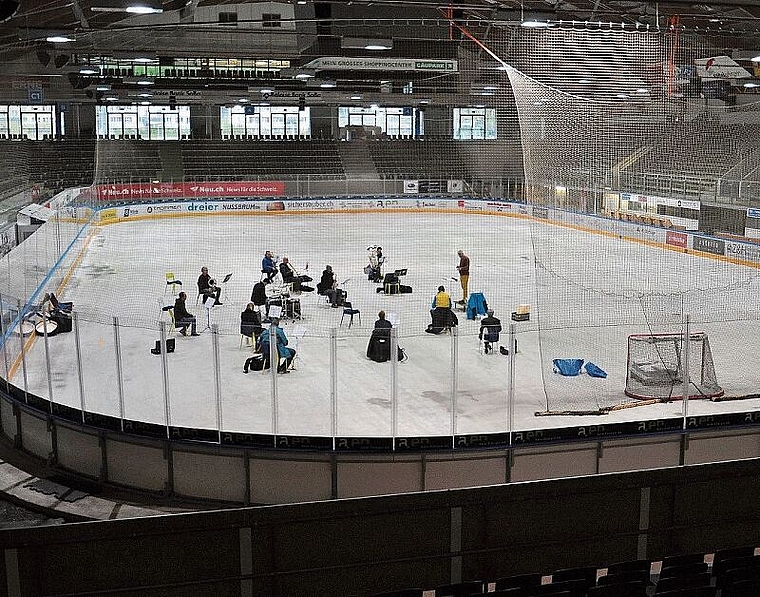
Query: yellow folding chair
pixel 170 310
pixel 171 283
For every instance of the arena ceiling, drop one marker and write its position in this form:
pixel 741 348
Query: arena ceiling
pixel 307 30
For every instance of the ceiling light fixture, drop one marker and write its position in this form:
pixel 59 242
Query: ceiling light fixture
pixel 60 39
pixel 144 95
pixel 356 97
pixel 88 71
pixel 140 7
pixel 145 82
pixel 327 85
pixel 536 19
pixel 365 43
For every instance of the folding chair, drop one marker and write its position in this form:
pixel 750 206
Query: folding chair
pixel 489 344
pixel 349 310
pixel 171 283
pixel 170 310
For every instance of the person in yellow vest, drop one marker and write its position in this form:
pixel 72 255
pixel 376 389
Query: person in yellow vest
pixel 443 318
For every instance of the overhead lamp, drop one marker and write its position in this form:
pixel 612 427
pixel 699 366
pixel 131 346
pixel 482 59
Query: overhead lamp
pixel 144 60
pixel 60 39
pixel 537 20
pixel 102 88
pixel 356 97
pixel 327 84
pixel 751 85
pixel 145 81
pixel 144 95
pixel 266 91
pixel 88 71
pixel 131 6
pixel 145 103
pixel 366 43
pixel 534 24
pixel 54 36
pixel 243 100
pixel 111 98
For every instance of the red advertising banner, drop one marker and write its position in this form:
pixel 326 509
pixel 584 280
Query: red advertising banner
pixel 678 239
pixel 180 190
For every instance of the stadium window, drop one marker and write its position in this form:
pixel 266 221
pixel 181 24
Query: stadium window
pixel 391 121
pixel 271 19
pixel 158 123
pixel 228 18
pixel 474 123
pixel 32 122
pixel 264 121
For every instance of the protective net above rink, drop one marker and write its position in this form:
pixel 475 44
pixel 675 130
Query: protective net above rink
pixel 632 127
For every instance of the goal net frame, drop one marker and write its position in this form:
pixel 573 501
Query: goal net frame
pixel 656 373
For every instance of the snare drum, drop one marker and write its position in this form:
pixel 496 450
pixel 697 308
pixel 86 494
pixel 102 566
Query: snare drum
pixel 25 328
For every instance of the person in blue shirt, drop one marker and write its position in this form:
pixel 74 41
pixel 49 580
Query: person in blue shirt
pixel 268 266
pixel 286 354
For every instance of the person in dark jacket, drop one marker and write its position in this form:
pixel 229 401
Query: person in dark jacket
pixel 250 323
pixel 327 286
pixel 268 266
pixel 379 347
pixel 490 328
pixel 207 287
pixel 291 276
pixel 259 296
pixel 183 319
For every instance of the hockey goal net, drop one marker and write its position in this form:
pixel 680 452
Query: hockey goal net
pixel 655 367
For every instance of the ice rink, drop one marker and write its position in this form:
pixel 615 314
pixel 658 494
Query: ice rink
pixel 587 293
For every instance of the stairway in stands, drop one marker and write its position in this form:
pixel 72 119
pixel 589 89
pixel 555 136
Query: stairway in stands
pixel 357 160
pixel 171 162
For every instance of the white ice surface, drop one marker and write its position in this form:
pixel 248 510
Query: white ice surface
pixel 122 274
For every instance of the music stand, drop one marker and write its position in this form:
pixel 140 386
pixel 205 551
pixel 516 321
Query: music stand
pixel 224 285
pixel 208 304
